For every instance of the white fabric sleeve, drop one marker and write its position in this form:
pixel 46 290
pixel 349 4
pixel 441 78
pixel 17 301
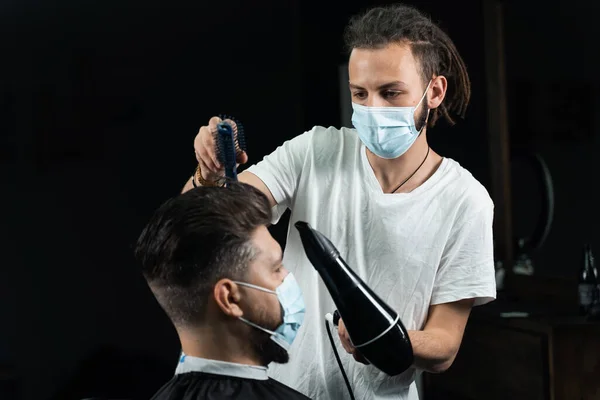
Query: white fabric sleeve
pixel 280 171
pixel 467 269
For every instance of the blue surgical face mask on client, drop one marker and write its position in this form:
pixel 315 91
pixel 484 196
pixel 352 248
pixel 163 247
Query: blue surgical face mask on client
pixel 290 298
pixel 387 131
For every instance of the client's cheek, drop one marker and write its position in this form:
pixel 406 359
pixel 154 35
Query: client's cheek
pixel 262 313
pixel 271 316
pixel 278 313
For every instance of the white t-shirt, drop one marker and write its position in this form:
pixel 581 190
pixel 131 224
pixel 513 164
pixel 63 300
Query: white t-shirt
pixel 430 246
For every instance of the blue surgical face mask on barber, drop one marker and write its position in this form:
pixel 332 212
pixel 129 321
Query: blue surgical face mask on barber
pixel 387 131
pixel 290 298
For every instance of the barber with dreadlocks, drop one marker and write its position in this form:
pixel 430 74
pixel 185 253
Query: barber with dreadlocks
pixel 416 226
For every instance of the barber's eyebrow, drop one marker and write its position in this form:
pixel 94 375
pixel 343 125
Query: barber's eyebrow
pixel 384 86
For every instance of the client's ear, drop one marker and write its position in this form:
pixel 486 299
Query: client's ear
pixel 227 296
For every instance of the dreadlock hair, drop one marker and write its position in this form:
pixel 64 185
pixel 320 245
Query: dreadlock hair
pixel 431 47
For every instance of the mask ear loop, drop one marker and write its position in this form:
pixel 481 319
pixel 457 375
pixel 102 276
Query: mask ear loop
pixel 270 332
pixel 424 94
pixel 262 289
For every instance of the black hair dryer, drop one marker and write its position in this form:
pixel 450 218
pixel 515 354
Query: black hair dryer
pixel 374 328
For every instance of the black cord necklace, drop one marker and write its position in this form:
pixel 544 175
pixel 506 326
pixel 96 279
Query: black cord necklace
pixel 413 174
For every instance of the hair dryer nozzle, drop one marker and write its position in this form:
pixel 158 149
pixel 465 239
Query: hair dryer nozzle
pixel 315 240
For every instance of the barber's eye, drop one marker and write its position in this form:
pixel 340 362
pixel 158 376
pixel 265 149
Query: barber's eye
pixel 390 94
pixel 359 95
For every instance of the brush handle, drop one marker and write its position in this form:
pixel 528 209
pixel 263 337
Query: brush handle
pixel 226 150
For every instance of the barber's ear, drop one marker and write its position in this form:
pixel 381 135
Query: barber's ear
pixel 227 296
pixel 437 91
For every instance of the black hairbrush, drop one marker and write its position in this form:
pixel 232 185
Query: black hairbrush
pixel 230 141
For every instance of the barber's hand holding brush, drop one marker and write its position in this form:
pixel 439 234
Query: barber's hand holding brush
pixel 206 151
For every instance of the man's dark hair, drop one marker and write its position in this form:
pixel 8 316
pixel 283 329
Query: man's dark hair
pixel 431 47
pixel 196 239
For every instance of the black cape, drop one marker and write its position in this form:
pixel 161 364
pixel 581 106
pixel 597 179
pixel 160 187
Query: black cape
pixel 207 386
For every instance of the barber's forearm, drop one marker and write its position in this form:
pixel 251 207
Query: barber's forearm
pixel 434 350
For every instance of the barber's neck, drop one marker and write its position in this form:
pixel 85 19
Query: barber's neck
pixel 215 342
pixel 391 173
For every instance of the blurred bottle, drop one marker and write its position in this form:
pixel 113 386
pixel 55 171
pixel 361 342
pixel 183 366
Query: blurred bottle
pixel 595 311
pixel 596 275
pixel 587 284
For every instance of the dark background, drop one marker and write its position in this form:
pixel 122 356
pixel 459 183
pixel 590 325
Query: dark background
pixel 99 105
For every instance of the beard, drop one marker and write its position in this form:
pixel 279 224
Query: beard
pixel 267 350
pixel 264 347
pixel 421 119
